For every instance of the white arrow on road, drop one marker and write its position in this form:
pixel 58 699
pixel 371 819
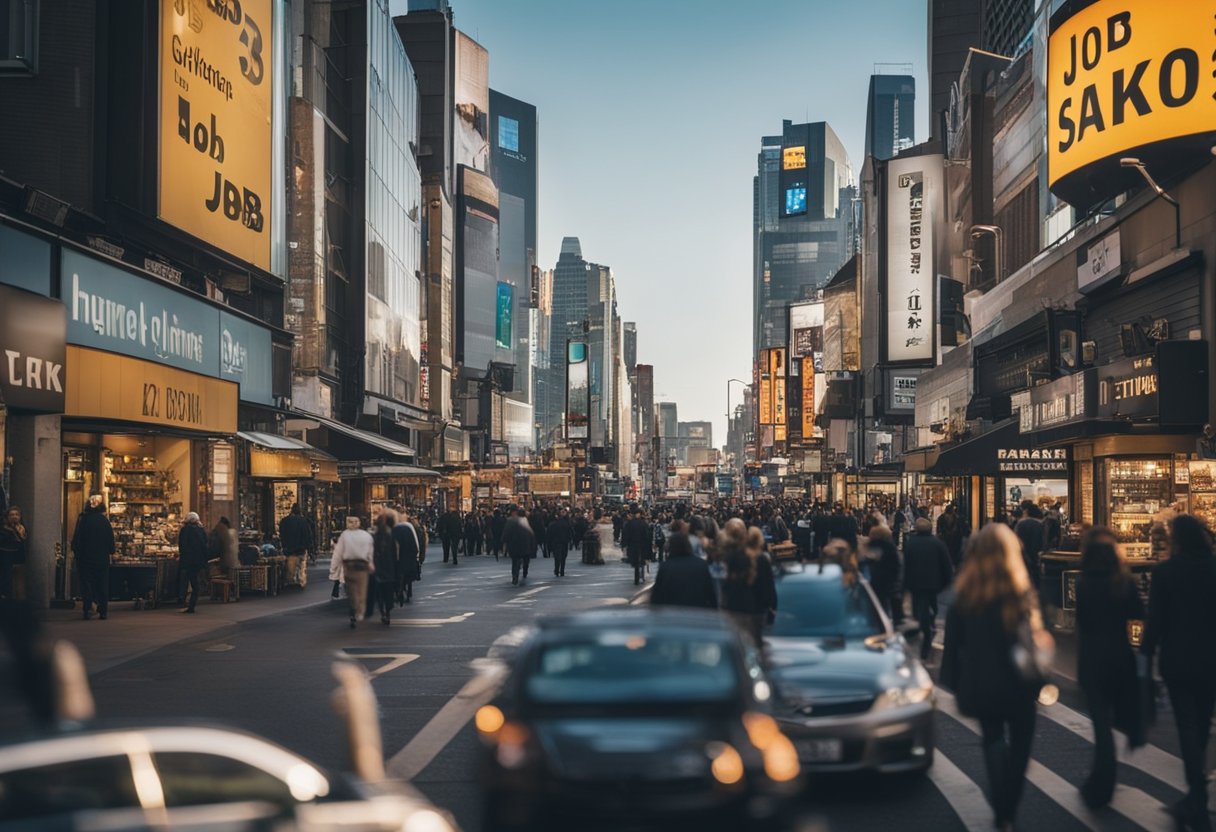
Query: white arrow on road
pixel 432 622
pixel 395 660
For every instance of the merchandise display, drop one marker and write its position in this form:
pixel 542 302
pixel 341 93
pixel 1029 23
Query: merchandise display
pixel 144 507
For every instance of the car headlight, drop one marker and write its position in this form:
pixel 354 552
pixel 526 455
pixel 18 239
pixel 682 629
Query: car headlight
pixel 902 697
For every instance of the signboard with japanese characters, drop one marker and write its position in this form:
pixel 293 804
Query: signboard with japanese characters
pixel 912 210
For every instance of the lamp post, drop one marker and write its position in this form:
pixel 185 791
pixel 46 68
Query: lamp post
pixel 1132 162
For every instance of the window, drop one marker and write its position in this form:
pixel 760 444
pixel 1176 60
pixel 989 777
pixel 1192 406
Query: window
pixel 81 785
pixel 191 779
pixel 508 134
pixel 18 37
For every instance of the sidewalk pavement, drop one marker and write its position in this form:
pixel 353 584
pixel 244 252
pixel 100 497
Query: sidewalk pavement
pixel 129 633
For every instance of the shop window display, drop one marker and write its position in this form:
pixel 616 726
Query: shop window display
pixel 1138 490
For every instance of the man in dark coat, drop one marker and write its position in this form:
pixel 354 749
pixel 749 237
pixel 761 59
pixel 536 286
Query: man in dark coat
pixel 558 536
pixel 538 521
pixel 950 532
pixel 408 568
pixel 1030 531
pixel 520 543
pixel 842 526
pixel 450 531
pixel 927 571
pixel 93 544
pixel 683 580
pixel 472 533
pixel 821 527
pixel 295 536
pixel 192 558
pixel 580 529
pixel 497 523
pixel 637 540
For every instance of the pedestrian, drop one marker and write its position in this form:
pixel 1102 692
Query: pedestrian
pixel 222 544
pixel 995 660
pixel 884 566
pixel 950 532
pixel 558 535
pixel 538 521
pixel 1030 532
pixel 355 550
pixel 498 522
pixel 927 571
pixel 637 540
pixel 1107 600
pixel 581 527
pixel 684 579
pixel 13 545
pixel 749 593
pixel 93 545
pixel 520 543
pixel 384 559
pixel 191 558
pixel 1181 620
pixel 450 531
pixel 295 536
pixel 408 551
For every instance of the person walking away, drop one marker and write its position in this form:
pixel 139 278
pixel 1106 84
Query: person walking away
pixel 1030 531
pixel 1107 599
pixel 884 566
pixel 637 539
pixel 996 654
pixel 93 545
pixel 520 543
pixel 558 535
pixel 498 522
pixel 618 525
pixel 450 530
pixel 13 543
pixel 1181 620
pixel 537 522
pixel 355 550
pixel 821 529
pixel 408 548
pixel 472 534
pixel 950 532
pixel 803 537
pixel 580 530
pixel 295 535
pixel 191 557
pixel 222 544
pixel 384 559
pixel 683 580
pixel 927 571
pixel 748 592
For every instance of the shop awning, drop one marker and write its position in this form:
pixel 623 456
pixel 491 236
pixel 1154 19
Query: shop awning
pixel 921 459
pixel 376 444
pixel 387 470
pixel 1001 451
pixel 274 442
pixel 283 458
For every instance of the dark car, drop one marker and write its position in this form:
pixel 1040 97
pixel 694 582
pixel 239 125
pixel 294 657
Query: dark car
pixel 631 717
pixel 848 692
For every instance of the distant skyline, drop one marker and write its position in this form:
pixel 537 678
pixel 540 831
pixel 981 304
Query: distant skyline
pixel 651 115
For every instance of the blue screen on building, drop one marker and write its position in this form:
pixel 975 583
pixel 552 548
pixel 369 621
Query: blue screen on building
pixel 795 200
pixel 508 134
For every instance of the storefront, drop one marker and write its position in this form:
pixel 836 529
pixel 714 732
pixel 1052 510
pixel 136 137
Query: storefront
pixel 278 472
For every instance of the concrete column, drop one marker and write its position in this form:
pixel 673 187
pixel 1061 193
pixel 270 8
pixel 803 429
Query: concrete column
pixel 35 445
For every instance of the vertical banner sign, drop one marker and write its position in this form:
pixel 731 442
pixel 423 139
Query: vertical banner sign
pixel 578 402
pixel 766 388
pixel 216 130
pixel 502 323
pixel 777 368
pixel 809 398
pixel 912 212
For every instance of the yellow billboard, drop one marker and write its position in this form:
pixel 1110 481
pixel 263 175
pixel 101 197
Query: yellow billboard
pixel 216 131
pixel 793 158
pixel 1123 74
pixel 808 397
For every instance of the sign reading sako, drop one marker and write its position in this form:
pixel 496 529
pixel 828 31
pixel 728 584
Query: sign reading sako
pixel 1126 75
pixel 216 123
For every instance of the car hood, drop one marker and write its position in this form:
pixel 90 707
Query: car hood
pixel 831 670
pixel 663 748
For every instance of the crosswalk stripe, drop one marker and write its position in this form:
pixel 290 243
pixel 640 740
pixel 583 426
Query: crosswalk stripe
pixel 964 794
pixel 1134 804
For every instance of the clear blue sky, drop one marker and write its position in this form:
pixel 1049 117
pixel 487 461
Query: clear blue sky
pixel 651 115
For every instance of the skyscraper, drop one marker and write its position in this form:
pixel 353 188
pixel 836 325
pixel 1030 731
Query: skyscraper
pixel 566 322
pixel 669 432
pixel 631 345
pixel 890 115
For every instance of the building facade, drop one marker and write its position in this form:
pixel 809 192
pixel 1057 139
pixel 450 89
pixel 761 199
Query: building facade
pixel 890 115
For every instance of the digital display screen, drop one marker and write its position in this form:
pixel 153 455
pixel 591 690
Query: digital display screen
pixel 795 200
pixel 508 134
pixel 793 158
pixel 502 324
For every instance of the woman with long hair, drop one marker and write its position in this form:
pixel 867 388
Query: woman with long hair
pixel 749 592
pixel 996 654
pixel 1107 599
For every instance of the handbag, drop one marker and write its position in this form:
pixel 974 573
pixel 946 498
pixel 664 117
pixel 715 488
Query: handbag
pixel 1031 661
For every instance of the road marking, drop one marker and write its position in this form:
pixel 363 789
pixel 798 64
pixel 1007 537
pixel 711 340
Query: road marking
pixel 431 622
pixel 395 660
pixel 526 597
pixel 1134 804
pixel 963 794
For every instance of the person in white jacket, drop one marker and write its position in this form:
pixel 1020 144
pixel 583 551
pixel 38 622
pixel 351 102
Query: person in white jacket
pixel 354 551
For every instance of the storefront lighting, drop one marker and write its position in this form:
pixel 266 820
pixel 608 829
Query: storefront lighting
pixel 1133 162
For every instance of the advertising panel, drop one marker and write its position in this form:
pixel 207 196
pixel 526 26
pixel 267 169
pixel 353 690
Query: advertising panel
pixel 903 393
pixel 578 402
pixel 216 130
pixel 795 200
pixel 913 208
pixel 502 321
pixel 793 158
pixel 244 358
pixel 766 387
pixel 1123 76
pixel 32 351
pixel 810 398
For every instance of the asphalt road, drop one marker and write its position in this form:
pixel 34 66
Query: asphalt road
pixel 272 676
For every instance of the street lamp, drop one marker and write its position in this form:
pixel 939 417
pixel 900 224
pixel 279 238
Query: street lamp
pixel 1132 162
pixel 978 231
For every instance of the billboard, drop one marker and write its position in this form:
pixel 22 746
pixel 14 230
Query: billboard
pixel 793 158
pixel 578 402
pixel 216 126
pixel 806 331
pixel 766 388
pixel 795 200
pixel 913 208
pixel 502 319
pixel 777 370
pixel 811 398
pixel 1127 77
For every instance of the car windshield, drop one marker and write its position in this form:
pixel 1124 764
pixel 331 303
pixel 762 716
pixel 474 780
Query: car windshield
pixel 824 609
pixel 634 668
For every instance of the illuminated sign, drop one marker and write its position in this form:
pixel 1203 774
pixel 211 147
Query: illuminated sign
pixel 216 130
pixel 578 400
pixel 793 158
pixel 809 399
pixel 508 134
pixel 913 209
pixel 795 200
pixel 502 322
pixel 1126 75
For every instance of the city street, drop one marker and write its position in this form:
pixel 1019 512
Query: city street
pixel 271 676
